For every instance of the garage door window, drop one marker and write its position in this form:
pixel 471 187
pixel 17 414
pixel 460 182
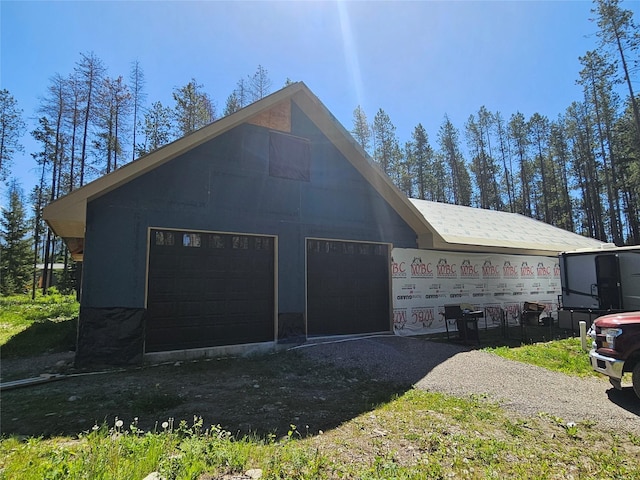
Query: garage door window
pixel 191 240
pixel 164 238
pixel 216 241
pixel 263 243
pixel 240 243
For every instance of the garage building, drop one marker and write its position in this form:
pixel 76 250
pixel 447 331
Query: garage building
pixel 270 225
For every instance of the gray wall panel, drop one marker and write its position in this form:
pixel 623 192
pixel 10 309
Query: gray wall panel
pixel 223 185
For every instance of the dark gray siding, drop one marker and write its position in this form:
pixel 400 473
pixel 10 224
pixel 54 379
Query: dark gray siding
pixel 224 185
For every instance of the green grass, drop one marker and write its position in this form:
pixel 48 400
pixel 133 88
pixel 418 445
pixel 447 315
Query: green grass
pixel 416 435
pixel 564 356
pixel 30 327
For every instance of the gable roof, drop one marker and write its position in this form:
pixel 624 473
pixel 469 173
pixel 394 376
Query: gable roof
pixel 460 226
pixel 67 215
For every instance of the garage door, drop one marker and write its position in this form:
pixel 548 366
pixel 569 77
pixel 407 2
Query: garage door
pixel 209 289
pixel 347 288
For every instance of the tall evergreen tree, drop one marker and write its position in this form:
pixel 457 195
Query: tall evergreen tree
pixel 518 129
pixel 259 84
pixel 138 96
pixel 426 179
pixel 539 130
pixel 89 71
pixel 361 130
pixel 561 158
pixel 54 106
pixel 598 93
pixel 157 128
pixel 242 93
pixel 629 160
pixel 193 108
pixel 232 104
pixel 386 146
pixel 115 105
pixel 478 133
pixel 15 249
pixel 586 170
pixel 618 33
pixel 504 146
pixel 73 116
pixel 449 143
pixel 45 134
pixel 11 129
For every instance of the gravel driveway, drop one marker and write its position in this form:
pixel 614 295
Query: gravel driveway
pixel 524 389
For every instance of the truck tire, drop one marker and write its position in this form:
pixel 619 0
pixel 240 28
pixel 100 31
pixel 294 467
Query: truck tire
pixel 635 377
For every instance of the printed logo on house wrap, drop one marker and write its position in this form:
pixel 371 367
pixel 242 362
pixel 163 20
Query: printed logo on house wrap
pixel 526 270
pixel 489 270
pixel 556 270
pixel 508 270
pixel 419 269
pixel 399 318
pixel 398 269
pixel 446 270
pixel 424 316
pixel 469 270
pixel 543 271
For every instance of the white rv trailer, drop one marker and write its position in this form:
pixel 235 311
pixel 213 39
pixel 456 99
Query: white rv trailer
pixel 601 279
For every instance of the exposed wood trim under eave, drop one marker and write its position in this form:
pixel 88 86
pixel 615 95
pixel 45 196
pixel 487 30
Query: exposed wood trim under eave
pixel 489 249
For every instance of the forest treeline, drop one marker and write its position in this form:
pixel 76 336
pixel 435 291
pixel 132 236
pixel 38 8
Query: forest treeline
pixel 579 171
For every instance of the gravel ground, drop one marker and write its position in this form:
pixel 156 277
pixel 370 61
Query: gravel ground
pixel 524 389
pixel 448 368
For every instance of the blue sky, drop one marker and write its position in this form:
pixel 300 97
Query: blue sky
pixel 416 60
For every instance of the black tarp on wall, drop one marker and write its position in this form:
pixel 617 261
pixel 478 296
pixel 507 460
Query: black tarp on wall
pixel 112 336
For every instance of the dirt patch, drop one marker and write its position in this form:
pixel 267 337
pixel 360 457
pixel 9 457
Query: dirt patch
pixel 259 395
pixel 315 387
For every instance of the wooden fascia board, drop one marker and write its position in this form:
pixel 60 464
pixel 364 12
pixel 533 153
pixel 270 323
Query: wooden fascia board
pixel 489 249
pixel 67 213
pixel 349 148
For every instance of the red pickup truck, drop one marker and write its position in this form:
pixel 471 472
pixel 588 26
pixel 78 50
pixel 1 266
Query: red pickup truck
pixel 616 347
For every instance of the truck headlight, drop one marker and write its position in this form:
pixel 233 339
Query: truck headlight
pixel 591 333
pixel 610 335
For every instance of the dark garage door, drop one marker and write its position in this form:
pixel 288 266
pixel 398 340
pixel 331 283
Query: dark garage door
pixel 347 288
pixel 208 289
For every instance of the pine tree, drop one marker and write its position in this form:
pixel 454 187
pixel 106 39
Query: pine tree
pixel 259 84
pixel 361 130
pixel 518 130
pixel 422 157
pixel 232 104
pixel 89 72
pixel 157 128
pixel 193 109
pixel 449 143
pixel 136 86
pixel 15 249
pixel 619 34
pixel 114 106
pixel 11 129
pixel 504 145
pixel 386 144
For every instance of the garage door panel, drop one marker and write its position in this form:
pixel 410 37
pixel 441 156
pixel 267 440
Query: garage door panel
pixel 209 293
pixel 348 287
